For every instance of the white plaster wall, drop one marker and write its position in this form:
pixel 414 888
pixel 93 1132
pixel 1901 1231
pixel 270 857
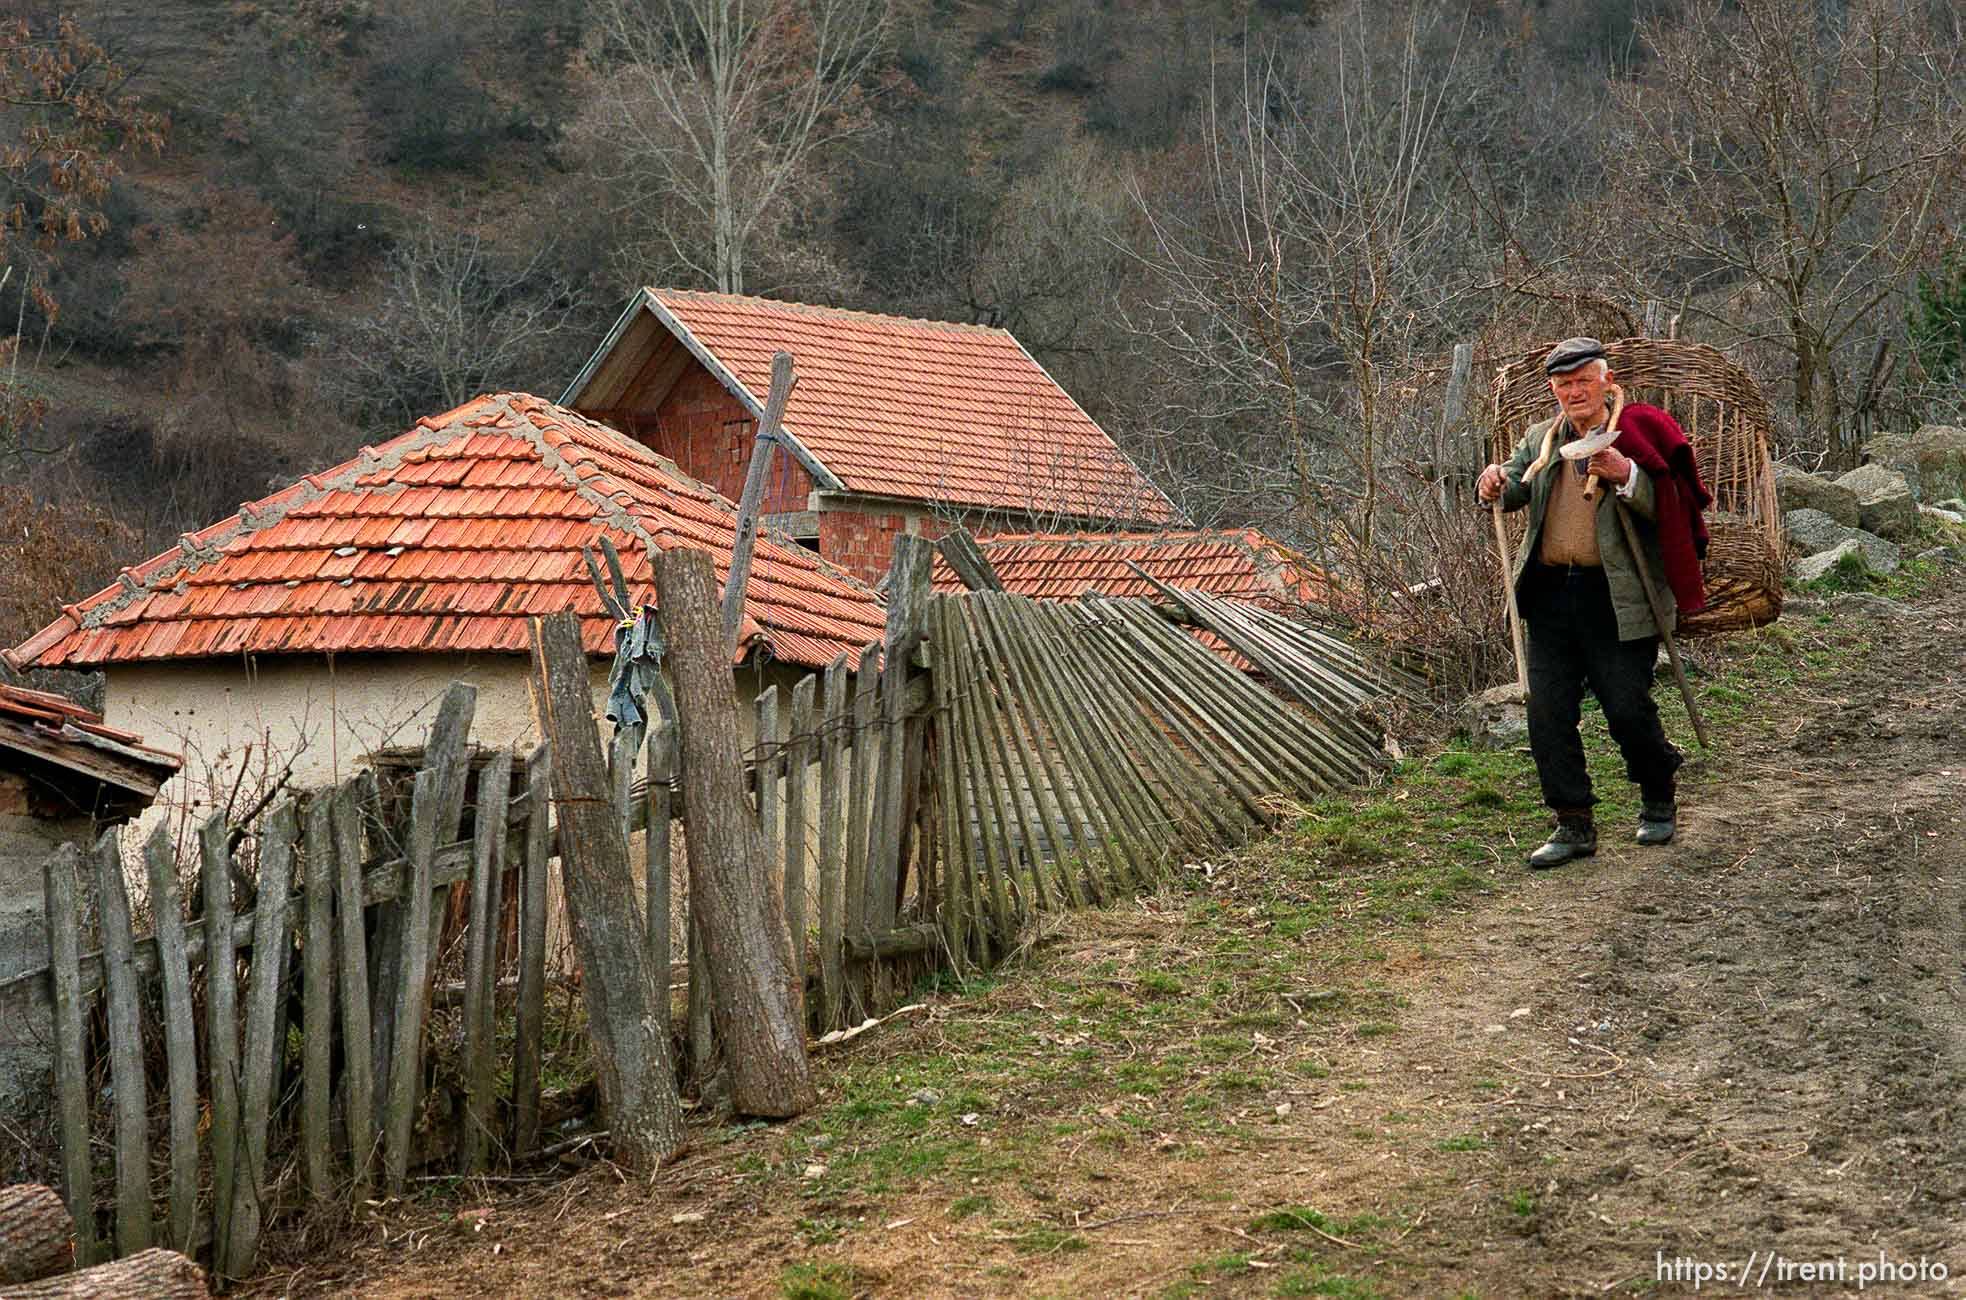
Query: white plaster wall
pixel 223 715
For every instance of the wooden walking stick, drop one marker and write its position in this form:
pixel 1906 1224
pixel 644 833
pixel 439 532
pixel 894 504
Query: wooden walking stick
pixel 1508 598
pixel 1659 620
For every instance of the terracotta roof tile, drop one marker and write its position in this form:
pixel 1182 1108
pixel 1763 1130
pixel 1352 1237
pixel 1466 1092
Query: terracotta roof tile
pixel 349 559
pixel 922 410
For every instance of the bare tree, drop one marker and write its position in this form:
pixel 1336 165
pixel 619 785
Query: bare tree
pixel 719 105
pixel 1796 165
pixel 1319 261
pixel 457 319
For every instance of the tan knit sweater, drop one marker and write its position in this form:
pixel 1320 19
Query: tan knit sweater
pixel 1570 526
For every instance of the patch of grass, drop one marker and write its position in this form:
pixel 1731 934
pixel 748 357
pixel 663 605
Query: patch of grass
pixel 1320 1281
pixel 964 1206
pixel 1042 1238
pixel 1521 1202
pixel 1223 1265
pixel 828 1279
pixel 1465 1142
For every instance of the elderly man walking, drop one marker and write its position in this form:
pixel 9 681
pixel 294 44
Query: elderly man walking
pixel 1581 594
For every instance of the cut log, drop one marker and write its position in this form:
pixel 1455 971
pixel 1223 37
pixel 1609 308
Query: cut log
pixel 626 999
pixel 758 1007
pixel 154 1274
pixel 35 1233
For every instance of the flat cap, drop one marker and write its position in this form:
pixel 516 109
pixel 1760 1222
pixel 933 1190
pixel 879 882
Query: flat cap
pixel 1571 353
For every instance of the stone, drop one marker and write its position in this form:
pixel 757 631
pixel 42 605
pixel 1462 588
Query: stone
pixel 1812 531
pixel 1955 504
pixel 1800 490
pixel 1497 718
pixel 1885 505
pixel 1942 514
pixel 1932 460
pixel 1879 557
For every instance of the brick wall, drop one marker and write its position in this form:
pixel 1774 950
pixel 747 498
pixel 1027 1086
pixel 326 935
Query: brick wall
pixel 709 435
pixel 861 544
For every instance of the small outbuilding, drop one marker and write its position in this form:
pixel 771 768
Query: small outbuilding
pixel 64 777
pixel 894 425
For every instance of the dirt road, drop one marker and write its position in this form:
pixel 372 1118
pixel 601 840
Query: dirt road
pixel 1744 1051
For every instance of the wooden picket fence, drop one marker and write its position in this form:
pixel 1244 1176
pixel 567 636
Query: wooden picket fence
pixel 992 758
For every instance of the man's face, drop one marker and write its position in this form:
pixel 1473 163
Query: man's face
pixel 1581 393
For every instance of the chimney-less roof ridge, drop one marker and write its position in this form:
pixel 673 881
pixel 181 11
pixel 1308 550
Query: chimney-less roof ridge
pixel 825 310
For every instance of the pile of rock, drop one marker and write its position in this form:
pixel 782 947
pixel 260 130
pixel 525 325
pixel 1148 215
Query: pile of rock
pixel 1875 509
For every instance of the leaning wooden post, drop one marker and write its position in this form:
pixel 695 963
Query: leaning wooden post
pixel 626 1000
pixel 901 758
pixel 752 503
pixel 758 1008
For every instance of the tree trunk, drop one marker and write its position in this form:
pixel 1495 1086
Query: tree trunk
pixel 756 1004
pixel 627 1002
pixel 154 1274
pixel 35 1233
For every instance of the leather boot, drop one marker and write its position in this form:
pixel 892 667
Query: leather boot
pixel 1657 820
pixel 1575 837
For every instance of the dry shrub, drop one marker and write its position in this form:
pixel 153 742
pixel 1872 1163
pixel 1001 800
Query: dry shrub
pixel 57 551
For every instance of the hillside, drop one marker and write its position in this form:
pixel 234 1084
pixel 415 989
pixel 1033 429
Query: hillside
pixel 1245 234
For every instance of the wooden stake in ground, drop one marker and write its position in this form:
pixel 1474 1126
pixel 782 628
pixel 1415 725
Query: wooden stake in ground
pixel 757 1005
pixel 627 1001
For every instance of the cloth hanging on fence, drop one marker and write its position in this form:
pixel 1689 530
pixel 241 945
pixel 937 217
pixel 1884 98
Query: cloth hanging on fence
pixel 638 651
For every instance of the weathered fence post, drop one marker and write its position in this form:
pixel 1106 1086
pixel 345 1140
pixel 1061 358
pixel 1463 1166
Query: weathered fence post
pixel 532 950
pixel 626 1001
pixel 71 1077
pixel 221 1029
pixel 436 807
pixel 758 1009
pixel 358 1087
pixel 134 1229
pixel 180 1036
pixel 480 976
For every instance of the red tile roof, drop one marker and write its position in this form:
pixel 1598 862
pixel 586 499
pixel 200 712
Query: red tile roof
pixel 52 738
pixel 920 410
pixel 448 539
pixel 1238 564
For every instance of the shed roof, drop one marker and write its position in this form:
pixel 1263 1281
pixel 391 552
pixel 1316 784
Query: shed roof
pixel 449 538
pixel 59 732
pixel 887 406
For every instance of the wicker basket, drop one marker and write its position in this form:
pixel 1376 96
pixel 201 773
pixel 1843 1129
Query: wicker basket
pixel 1726 417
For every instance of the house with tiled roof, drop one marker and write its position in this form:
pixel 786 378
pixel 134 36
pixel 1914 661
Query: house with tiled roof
pixel 322 623
pixel 1234 563
pixel 893 426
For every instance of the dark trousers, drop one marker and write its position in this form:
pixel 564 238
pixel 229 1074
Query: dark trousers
pixel 1573 642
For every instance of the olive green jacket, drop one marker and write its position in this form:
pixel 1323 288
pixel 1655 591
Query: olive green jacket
pixel 1627 589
